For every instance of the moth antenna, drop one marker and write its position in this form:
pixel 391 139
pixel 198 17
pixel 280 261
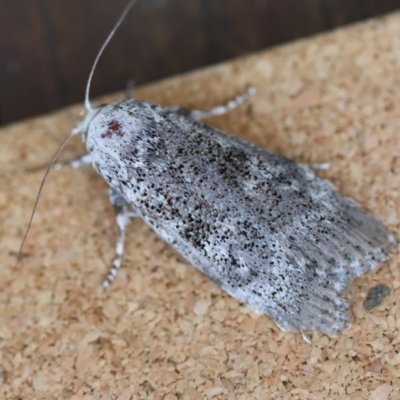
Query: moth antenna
pixel 88 106
pixel 65 141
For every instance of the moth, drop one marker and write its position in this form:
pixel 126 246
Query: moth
pixel 266 229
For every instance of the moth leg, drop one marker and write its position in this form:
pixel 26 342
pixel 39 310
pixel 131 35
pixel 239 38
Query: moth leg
pixel 78 162
pixel 219 110
pixel 123 217
pixel 305 337
pixel 322 166
pixel 130 88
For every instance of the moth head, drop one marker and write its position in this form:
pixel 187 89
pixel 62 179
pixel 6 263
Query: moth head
pixel 83 126
pixel 111 127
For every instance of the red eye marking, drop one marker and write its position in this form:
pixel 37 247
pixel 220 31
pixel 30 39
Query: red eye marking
pixel 114 128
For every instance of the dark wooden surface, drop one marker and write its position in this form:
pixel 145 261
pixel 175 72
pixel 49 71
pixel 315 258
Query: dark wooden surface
pixel 47 47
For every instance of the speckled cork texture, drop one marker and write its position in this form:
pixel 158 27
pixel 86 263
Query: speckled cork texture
pixel 163 330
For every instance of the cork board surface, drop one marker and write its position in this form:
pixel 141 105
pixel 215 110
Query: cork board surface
pixel 164 330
